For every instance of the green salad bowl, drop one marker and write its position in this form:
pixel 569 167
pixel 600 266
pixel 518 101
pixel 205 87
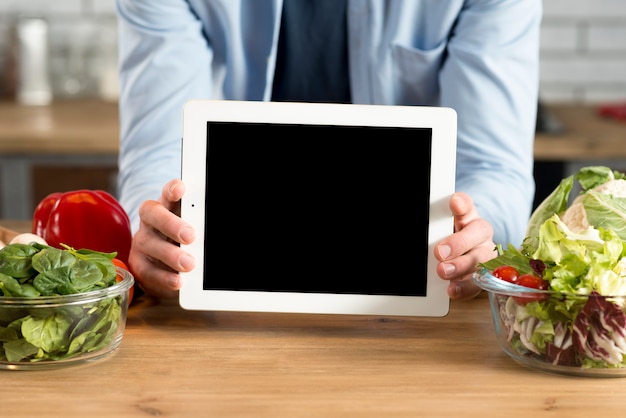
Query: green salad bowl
pixel 567 334
pixel 58 331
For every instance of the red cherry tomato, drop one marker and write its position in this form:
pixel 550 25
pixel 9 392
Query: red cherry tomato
pixel 534 282
pixel 506 273
pixel 119 278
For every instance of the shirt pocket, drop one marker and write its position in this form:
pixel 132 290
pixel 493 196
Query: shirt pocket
pixel 416 74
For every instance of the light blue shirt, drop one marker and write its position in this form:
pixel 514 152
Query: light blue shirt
pixel 479 57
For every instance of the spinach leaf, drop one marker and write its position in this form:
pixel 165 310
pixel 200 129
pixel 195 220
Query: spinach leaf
pixel 57 332
pixel 49 334
pixel 51 259
pixel 79 277
pixel 11 287
pixel 17 350
pixel 61 272
pixel 15 260
pixel 8 334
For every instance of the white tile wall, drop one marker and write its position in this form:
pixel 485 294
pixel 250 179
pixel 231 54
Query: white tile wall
pixel 40 6
pixel 583 51
pixel 583 42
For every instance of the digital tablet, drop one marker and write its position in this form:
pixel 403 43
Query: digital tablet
pixel 317 208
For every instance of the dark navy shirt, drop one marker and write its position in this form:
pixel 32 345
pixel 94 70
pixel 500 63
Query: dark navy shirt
pixel 312 58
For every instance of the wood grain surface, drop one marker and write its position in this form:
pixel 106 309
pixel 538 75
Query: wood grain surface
pixel 65 127
pixel 178 363
pixel 88 127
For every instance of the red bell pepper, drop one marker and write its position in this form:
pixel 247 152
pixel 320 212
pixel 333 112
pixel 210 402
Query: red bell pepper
pixel 91 219
pixel 613 110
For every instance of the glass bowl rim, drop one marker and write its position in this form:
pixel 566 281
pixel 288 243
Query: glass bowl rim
pixel 60 300
pixel 486 281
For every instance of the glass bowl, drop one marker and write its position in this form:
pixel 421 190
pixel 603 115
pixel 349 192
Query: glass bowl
pixel 57 331
pixel 578 335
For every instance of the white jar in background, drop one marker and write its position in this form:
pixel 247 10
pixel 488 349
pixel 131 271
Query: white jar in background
pixel 32 78
pixel 108 82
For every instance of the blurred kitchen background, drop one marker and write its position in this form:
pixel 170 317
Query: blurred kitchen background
pixel 583 62
pixel 583 48
pixel 82 45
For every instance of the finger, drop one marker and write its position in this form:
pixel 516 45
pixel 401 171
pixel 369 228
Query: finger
pixel 154 280
pixel 462 252
pixel 158 278
pixel 171 194
pixel 155 216
pixel 470 229
pixel 466 264
pixel 150 243
pixel 463 289
pixel 463 209
pixel 478 233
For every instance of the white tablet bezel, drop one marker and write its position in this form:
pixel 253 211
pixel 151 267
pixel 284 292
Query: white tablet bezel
pixel 196 115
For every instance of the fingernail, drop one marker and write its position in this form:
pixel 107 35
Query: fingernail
pixel 457 291
pixel 448 269
pixel 187 234
pixel 444 251
pixel 453 291
pixel 186 261
pixel 174 282
pixel 172 188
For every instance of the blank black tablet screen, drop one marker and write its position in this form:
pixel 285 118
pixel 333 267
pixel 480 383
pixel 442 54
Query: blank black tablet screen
pixel 337 209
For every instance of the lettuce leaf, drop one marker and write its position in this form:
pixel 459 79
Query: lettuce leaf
pixel 588 264
pixel 555 203
pixel 606 211
pixel 593 176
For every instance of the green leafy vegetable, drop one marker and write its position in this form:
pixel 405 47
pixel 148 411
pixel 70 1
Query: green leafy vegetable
pixel 15 260
pixel 556 202
pixel 56 332
pixel 605 210
pixel 594 176
pixel 580 249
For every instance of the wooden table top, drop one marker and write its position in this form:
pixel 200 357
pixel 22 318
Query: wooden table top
pixel 586 136
pixel 92 127
pixel 64 127
pixel 178 363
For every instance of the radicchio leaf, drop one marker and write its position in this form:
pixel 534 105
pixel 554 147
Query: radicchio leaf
pixel 538 267
pixel 563 351
pixel 599 330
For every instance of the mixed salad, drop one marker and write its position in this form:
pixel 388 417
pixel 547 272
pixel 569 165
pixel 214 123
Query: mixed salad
pixel 579 251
